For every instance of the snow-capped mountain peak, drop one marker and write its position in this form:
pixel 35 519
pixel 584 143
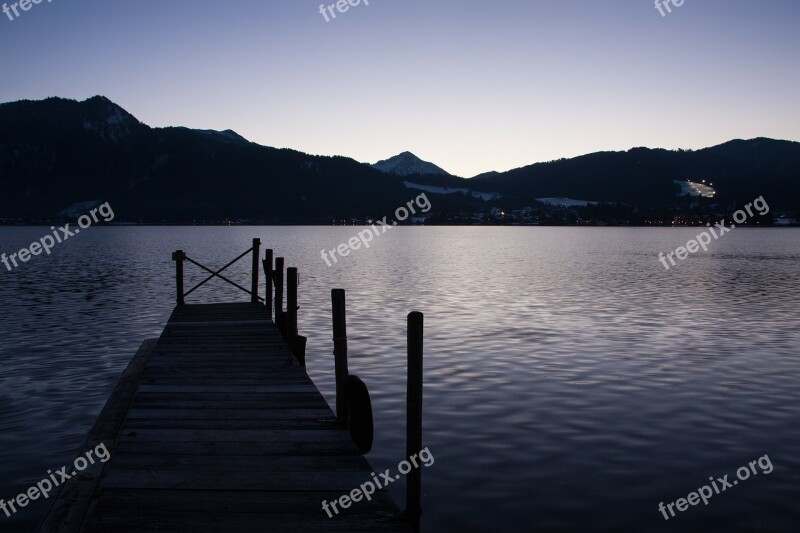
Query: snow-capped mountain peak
pixel 406 164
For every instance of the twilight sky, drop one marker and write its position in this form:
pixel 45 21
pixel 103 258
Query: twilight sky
pixel 470 85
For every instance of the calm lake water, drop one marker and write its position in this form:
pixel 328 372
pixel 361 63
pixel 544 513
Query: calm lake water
pixel 571 382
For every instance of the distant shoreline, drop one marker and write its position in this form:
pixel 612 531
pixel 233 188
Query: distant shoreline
pixel 187 225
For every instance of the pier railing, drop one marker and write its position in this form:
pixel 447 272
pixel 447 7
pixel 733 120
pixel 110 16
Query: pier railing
pixel 180 256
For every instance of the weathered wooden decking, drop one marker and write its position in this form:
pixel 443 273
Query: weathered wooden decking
pixel 215 427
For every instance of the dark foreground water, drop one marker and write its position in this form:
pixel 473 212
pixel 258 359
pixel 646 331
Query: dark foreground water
pixel 571 382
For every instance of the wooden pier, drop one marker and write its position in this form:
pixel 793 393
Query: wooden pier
pixel 215 426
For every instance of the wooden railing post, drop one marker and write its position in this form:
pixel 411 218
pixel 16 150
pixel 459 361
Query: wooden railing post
pixel 414 417
pixel 299 349
pixel 291 305
pixel 296 343
pixel 179 257
pixel 256 256
pixel 340 352
pixel 279 318
pixel 267 262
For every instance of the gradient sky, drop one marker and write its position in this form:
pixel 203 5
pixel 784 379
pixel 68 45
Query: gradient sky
pixel 470 85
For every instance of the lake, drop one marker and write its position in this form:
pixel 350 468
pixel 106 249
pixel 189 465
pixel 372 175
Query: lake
pixel 571 382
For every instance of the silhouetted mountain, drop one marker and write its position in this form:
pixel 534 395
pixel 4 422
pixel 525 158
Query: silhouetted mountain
pixel 485 175
pixel 57 154
pixel 407 164
pixel 740 171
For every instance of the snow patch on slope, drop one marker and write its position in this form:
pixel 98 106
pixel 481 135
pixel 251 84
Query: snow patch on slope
pixel 485 196
pixel 565 202
pixel 81 208
pixel 693 188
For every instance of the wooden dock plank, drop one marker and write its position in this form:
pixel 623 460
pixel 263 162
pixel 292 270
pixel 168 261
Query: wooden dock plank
pixel 260 502
pixel 220 401
pixel 330 433
pixel 219 429
pixel 342 482
pixel 171 413
pixel 201 521
pixel 247 463
pixel 235 449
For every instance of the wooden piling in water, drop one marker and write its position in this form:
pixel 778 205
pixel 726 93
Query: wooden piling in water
pixel 279 318
pixel 179 257
pixel 296 342
pixel 256 256
pixel 268 279
pixel 414 416
pixel 340 352
pixel 291 304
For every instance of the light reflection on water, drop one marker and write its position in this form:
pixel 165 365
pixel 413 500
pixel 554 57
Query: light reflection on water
pixel 570 381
